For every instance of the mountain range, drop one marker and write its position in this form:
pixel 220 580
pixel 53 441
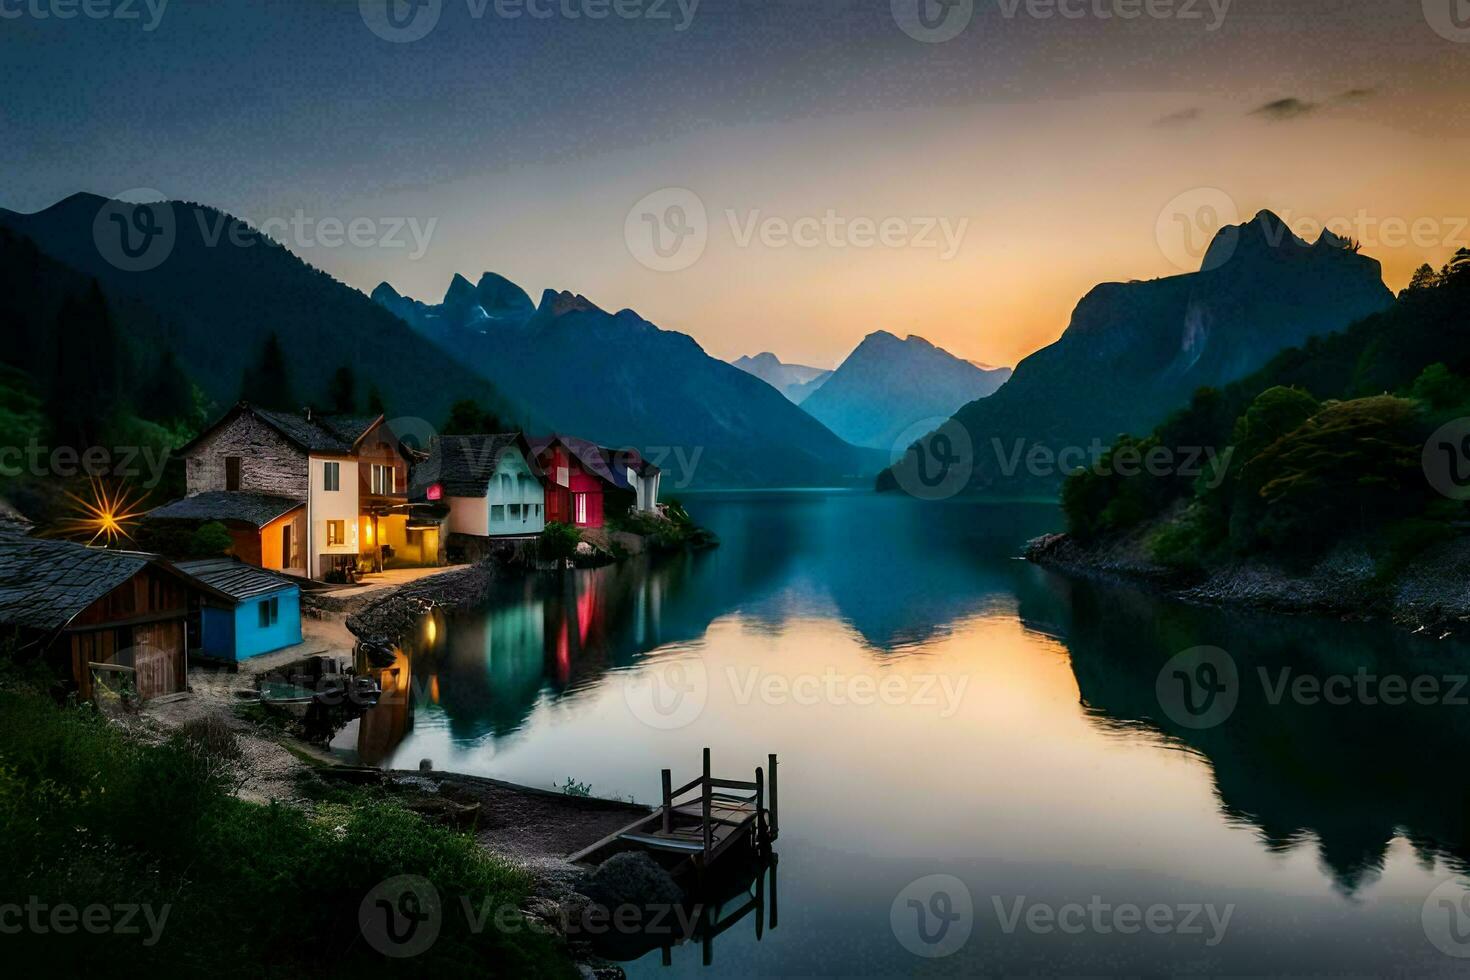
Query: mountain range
pixel 620 380
pixel 795 381
pixel 212 300
pixel 887 386
pixel 1136 351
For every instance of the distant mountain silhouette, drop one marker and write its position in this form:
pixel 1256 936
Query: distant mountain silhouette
pixel 1136 351
pixel 795 381
pixel 887 385
pixel 620 380
pixel 221 288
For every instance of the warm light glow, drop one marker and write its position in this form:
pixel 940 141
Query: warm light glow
pixel 433 630
pixel 108 515
pixel 435 492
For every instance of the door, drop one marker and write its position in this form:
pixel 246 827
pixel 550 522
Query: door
pixel 287 560
pixel 158 658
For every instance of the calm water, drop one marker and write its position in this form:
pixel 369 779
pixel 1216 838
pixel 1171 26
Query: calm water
pixel 940 708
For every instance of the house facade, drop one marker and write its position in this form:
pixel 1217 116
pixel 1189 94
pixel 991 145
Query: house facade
pixel 577 480
pixel 490 485
pixel 340 484
pixel 256 611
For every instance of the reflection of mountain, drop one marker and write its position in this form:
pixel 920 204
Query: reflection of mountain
pixel 1352 776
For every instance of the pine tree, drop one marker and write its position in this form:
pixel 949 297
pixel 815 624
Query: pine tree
pixel 342 391
pixel 85 395
pixel 168 397
pixel 375 404
pixel 267 383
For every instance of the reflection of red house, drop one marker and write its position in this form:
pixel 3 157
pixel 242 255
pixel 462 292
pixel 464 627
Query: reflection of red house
pixel 577 479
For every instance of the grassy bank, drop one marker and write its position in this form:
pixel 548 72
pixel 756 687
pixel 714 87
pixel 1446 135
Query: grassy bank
pixel 95 819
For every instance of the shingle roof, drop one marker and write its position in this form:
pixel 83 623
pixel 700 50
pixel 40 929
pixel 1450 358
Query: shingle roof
pixel 310 434
pixel 258 509
pixel 234 578
pixel 463 465
pixel 348 428
pixel 590 454
pixel 44 584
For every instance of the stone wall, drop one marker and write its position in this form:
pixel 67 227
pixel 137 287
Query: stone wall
pixel 268 462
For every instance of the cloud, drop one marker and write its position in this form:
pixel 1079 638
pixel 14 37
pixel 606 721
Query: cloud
pixel 1356 95
pixel 1284 109
pixel 1181 118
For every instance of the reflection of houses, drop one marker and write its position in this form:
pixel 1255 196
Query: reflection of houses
pixel 84 606
pixel 309 494
pixel 256 611
pixel 490 484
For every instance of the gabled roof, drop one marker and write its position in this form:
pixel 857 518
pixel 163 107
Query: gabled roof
pixel 257 509
pixel 234 578
pixel 463 465
pixel 336 435
pixel 45 584
pixel 589 454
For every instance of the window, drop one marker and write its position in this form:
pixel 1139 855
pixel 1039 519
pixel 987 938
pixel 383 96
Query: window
pixel 383 479
pixel 336 533
pixel 515 511
pixel 538 510
pixel 332 476
pixel 579 508
pixel 270 611
pixel 232 472
pixel 497 512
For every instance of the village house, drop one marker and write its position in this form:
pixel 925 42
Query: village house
pixel 250 612
pixel 92 610
pixel 490 484
pixel 319 496
pixel 586 484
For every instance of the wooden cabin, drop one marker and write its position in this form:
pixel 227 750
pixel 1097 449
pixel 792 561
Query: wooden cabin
pixel 578 480
pixel 91 609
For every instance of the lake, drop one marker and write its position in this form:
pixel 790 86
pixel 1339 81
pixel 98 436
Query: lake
pixel 985 766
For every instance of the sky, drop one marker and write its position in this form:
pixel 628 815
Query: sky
pixel 787 175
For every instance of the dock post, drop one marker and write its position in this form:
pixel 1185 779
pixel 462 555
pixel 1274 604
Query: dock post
pixel 762 834
pixel 668 778
pixel 775 819
pixel 704 801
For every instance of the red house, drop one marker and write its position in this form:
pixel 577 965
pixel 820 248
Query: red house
pixel 578 479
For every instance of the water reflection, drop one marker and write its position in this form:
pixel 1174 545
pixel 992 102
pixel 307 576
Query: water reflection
pixel 1350 777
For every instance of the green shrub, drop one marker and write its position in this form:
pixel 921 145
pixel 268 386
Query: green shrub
pixel 559 541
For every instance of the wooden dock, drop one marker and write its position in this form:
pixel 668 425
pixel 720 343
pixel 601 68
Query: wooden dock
pixel 699 821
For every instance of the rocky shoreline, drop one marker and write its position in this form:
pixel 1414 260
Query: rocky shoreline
pixel 1432 596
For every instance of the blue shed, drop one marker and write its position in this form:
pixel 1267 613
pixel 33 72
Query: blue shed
pixel 263 614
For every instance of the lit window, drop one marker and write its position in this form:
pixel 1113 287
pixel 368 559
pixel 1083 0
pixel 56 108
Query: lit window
pixel 336 533
pixel 579 508
pixel 383 479
pixel 331 476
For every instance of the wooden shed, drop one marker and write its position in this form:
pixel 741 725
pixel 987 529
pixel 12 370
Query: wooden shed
pixel 84 606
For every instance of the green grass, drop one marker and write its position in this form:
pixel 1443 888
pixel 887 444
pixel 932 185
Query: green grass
pixel 92 817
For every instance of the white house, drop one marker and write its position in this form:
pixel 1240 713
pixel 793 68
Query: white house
pixel 490 484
